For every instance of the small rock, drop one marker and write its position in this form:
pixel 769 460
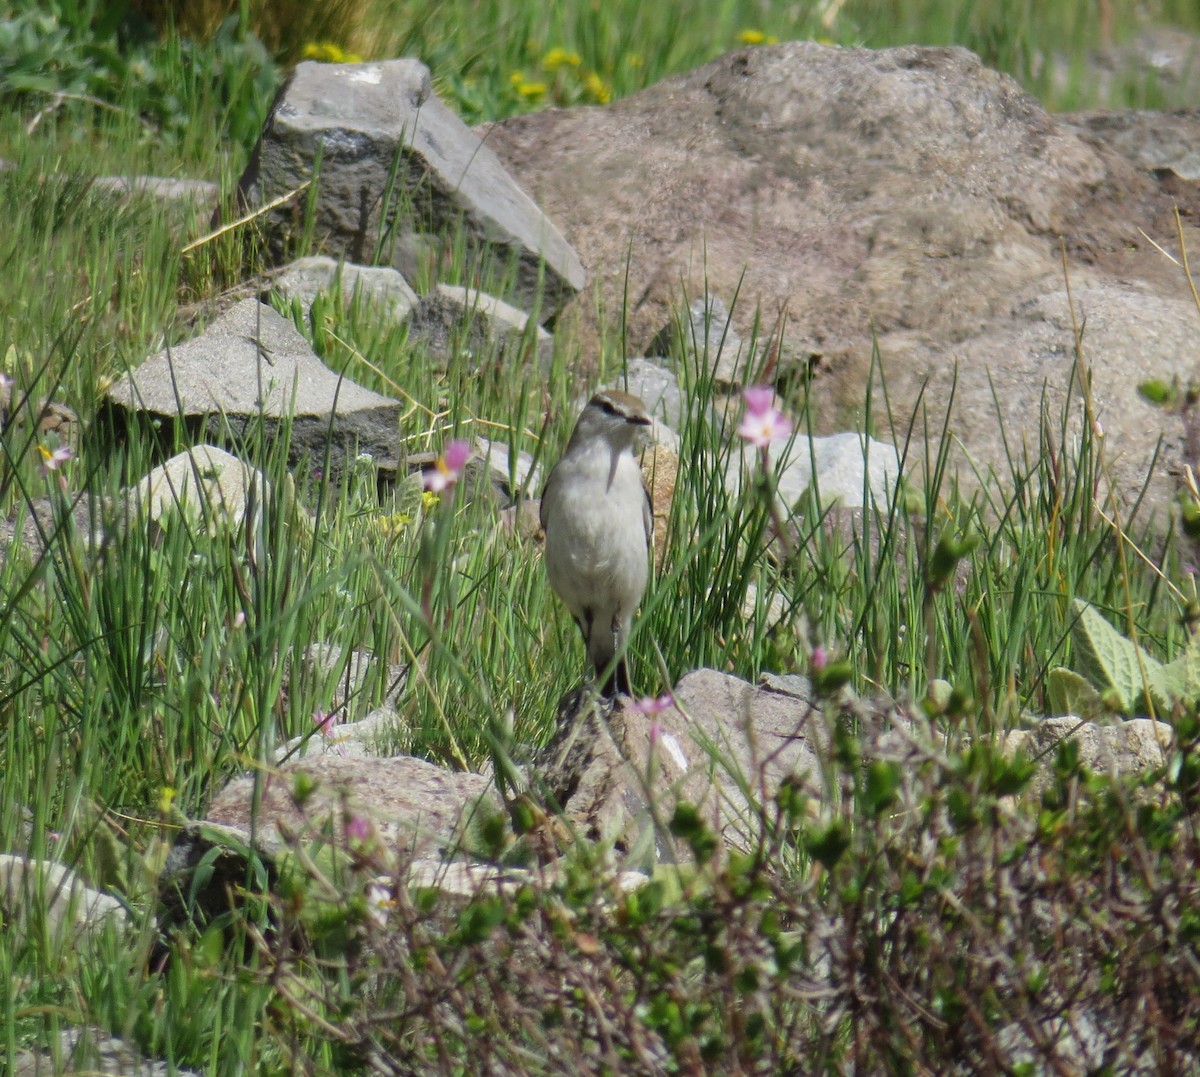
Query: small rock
pixel 844 466
pixel 351 740
pixel 92 1052
pixel 73 910
pixel 380 286
pixel 206 483
pixel 1132 747
pixel 451 321
pixel 658 389
pixel 710 339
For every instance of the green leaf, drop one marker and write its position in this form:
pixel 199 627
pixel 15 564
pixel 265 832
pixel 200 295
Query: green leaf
pixel 1157 392
pixel 883 779
pixel 828 846
pixel 1069 693
pixel 1109 661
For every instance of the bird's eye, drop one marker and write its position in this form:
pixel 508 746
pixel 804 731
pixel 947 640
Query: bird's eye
pixel 608 407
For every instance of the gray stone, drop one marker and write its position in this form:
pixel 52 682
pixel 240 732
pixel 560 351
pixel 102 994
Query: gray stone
pixel 496 455
pixel 907 198
pixel 395 160
pixel 73 911
pixel 721 738
pixel 92 1052
pixel 1137 746
pixel 349 671
pixel 219 374
pixel 350 740
pixel 659 390
pixel 711 341
pixel 414 806
pixel 845 467
pixel 38 525
pixel 205 483
pixel 1151 140
pixel 850 469
pixel 382 287
pixel 454 322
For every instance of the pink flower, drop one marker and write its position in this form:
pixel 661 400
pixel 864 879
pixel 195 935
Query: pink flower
pixel 448 468
pixel 326 722
pixel 358 827
pixel 820 658
pixel 52 461
pixel 762 422
pixel 650 706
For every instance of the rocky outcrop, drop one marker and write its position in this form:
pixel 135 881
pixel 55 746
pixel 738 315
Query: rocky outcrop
pixel 907 197
pixel 390 161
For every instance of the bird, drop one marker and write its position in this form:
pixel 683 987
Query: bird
pixel 597 518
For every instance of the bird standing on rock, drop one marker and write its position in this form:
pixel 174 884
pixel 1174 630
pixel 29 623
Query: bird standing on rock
pixel 596 515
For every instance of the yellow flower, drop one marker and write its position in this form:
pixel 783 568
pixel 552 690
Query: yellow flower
pixel 558 57
pixel 429 500
pixel 597 88
pixel 531 89
pixel 756 37
pixel 393 524
pixel 330 53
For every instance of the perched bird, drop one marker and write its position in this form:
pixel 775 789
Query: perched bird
pixel 596 515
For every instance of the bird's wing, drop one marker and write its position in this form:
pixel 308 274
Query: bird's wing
pixel 542 503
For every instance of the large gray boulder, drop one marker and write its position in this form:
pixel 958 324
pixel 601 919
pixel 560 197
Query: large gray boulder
pixel 252 364
pixel 395 162
pixel 907 197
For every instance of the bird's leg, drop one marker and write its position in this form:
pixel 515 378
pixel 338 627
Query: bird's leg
pixel 620 675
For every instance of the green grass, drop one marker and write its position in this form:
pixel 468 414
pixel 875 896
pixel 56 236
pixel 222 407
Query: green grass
pixel 139 676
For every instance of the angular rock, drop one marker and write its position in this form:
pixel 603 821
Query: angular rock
pixel 384 288
pixel 350 740
pixel 394 160
pixel 712 341
pixel 452 321
pixel 907 197
pixel 849 469
pixel 218 376
pixel 658 388
pixel 355 670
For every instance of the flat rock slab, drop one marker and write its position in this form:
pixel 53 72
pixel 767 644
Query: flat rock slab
pixel 395 161
pixel 909 199
pixel 216 379
pixel 413 805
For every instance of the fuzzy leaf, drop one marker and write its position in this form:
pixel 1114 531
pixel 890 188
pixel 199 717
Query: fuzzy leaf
pixel 1069 693
pixel 1179 681
pixel 1109 661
